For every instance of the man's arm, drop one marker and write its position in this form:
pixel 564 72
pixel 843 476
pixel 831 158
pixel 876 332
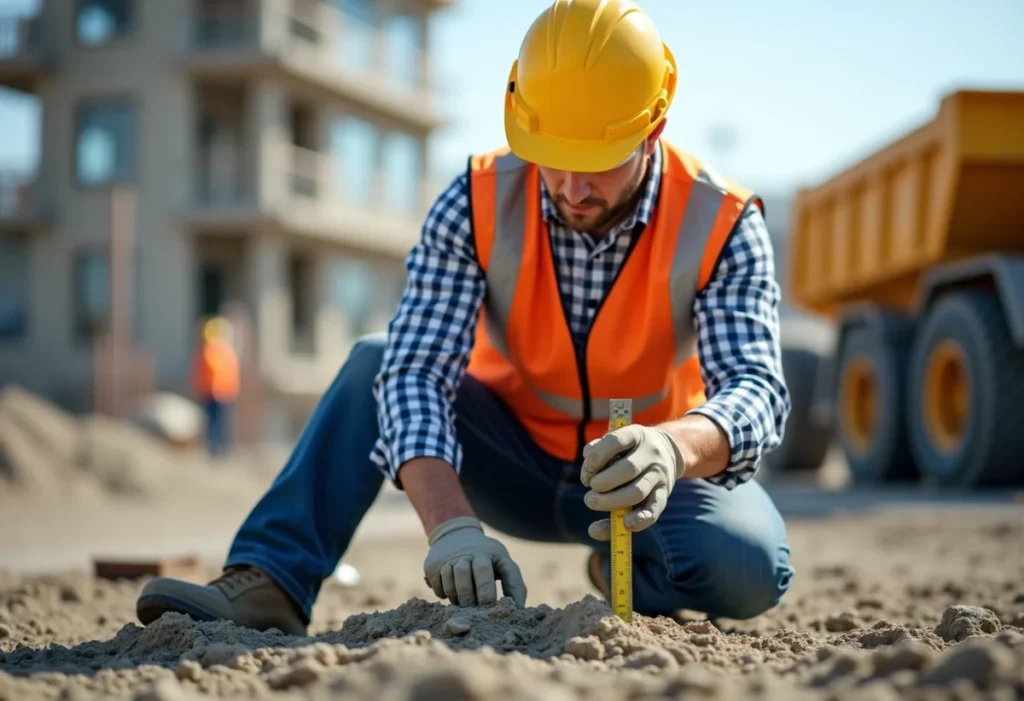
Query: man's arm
pixel 737 317
pixel 429 340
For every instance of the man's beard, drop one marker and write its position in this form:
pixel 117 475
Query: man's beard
pixel 608 214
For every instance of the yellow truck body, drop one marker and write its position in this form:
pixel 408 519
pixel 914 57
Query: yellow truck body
pixel 952 189
pixel 917 254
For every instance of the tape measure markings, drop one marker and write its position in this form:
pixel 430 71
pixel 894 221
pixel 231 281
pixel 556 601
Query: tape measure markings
pixel 621 414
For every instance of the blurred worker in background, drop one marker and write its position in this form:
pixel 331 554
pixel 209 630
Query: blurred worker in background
pixel 215 379
pixel 601 262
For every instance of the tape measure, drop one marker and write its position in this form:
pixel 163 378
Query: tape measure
pixel 621 414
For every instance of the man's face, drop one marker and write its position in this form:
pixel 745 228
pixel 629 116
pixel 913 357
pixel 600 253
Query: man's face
pixel 592 202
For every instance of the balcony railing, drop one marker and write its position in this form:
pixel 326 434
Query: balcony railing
pixel 307 173
pixel 311 28
pixel 17 195
pixel 220 182
pixel 19 37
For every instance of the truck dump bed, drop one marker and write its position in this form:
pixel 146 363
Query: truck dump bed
pixel 951 189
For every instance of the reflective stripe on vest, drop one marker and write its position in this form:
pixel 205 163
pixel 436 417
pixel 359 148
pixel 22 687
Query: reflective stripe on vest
pixel 502 272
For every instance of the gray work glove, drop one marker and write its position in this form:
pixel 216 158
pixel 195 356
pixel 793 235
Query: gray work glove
pixel 462 563
pixel 633 466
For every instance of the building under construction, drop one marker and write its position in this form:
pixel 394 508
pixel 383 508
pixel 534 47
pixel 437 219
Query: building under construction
pixel 265 159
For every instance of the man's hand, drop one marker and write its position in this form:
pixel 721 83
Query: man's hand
pixel 462 563
pixel 633 466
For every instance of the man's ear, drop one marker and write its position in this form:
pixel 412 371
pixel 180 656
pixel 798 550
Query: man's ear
pixel 653 137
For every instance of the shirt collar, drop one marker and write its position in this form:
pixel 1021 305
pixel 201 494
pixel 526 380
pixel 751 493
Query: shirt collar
pixel 641 214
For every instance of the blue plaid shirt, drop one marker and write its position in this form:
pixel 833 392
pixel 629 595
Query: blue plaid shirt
pixel 432 332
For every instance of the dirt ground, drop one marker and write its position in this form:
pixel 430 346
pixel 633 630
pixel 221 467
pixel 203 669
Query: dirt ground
pixel 920 601
pixel 925 605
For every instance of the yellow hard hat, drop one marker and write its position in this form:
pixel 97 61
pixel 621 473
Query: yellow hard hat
pixel 215 328
pixel 592 80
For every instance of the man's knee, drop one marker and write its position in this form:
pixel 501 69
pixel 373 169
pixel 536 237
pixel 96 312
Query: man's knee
pixel 363 362
pixel 746 579
pixel 728 577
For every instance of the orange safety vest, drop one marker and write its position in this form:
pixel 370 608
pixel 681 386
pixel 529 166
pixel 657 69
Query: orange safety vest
pixel 216 373
pixel 642 344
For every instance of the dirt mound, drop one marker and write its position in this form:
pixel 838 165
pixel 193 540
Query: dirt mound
pixel 46 452
pixel 429 650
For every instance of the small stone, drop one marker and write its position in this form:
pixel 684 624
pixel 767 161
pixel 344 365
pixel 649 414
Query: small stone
pixel 1010 638
pixel 843 623
pixel 961 622
pixel 841 665
pixel 978 662
pixel 588 648
pixel 302 673
pixel 651 658
pixel 190 670
pixel 458 626
pixel 909 654
pixel 324 654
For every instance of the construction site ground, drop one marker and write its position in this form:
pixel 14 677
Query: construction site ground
pixel 898 594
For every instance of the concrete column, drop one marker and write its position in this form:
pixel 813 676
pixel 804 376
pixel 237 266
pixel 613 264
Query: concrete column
pixel 324 118
pixel 268 138
pixel 328 320
pixel 271 24
pixel 267 296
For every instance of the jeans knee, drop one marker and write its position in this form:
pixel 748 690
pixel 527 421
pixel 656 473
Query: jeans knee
pixel 737 580
pixel 363 362
pixel 748 581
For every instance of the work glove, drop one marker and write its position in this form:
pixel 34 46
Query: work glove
pixel 462 563
pixel 634 467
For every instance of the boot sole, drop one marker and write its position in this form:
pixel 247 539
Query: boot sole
pixel 151 607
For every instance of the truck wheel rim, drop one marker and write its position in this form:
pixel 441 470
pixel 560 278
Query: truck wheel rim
pixel 860 402
pixel 947 395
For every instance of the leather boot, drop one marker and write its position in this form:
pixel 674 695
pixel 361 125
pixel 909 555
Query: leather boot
pixel 246 596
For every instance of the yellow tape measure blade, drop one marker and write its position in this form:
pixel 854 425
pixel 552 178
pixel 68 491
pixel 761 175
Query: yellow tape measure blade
pixel 621 414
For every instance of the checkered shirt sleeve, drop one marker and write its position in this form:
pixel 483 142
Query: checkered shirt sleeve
pixel 429 339
pixel 737 318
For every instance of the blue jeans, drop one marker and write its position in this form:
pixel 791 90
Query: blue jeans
pixel 216 426
pixel 713 550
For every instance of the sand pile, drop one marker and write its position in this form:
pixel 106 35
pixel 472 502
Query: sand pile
pixel 428 650
pixel 46 452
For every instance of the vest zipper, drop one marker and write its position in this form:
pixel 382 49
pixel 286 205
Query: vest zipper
pixel 581 348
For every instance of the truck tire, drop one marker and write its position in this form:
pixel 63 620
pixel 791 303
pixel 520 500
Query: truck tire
pixel 805 442
pixel 870 416
pixel 966 415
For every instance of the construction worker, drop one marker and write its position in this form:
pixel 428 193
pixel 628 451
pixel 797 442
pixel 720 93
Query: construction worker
pixel 215 377
pixel 589 260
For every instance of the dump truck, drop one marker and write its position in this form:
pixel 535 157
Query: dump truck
pixel 916 256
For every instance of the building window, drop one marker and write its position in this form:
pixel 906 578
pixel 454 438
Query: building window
pixel 15 290
pixel 105 142
pixel 301 283
pixel 91 293
pixel 404 38
pixel 101 21
pixel 354 151
pixel 357 46
pixel 353 292
pixel 402 173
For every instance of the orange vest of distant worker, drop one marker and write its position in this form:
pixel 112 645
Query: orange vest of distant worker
pixel 642 343
pixel 216 372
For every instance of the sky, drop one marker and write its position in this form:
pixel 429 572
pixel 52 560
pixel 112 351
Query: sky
pixel 805 87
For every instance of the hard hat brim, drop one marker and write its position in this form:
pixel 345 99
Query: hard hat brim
pixel 568 154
